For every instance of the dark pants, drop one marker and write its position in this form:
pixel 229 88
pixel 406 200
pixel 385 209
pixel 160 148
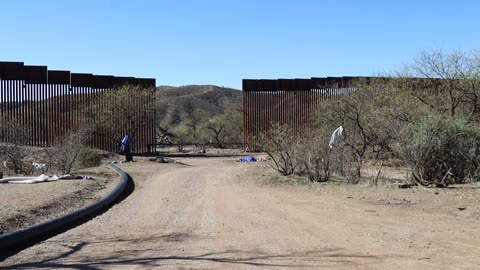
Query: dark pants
pixel 128 157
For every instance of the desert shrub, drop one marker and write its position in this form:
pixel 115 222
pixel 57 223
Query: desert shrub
pixel 225 128
pixel 345 164
pixel 441 150
pixel 368 130
pixel 181 136
pixel 282 148
pixel 309 154
pixel 13 153
pixel 372 112
pixel 314 158
pixel 450 84
pixel 65 150
pixel 14 158
pixel 86 158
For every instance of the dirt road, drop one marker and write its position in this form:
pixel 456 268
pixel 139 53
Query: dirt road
pixel 208 215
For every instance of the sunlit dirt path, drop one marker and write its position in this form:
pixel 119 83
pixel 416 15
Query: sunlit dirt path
pixel 207 215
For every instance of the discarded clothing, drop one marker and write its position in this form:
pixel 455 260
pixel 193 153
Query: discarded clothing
pixel 74 177
pixel 247 159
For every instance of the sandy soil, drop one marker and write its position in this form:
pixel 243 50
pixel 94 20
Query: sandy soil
pixel 217 214
pixel 23 205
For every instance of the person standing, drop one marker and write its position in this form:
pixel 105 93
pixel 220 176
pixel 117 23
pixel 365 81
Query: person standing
pixel 125 147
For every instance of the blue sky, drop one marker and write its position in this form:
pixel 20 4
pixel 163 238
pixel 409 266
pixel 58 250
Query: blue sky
pixel 182 42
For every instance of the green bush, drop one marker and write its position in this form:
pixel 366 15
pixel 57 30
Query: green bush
pixel 441 150
pixel 87 158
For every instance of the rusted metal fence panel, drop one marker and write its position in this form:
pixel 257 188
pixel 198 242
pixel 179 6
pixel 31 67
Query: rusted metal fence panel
pixel 291 102
pixel 48 104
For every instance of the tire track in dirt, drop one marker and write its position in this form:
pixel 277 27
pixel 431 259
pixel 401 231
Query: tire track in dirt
pixel 209 215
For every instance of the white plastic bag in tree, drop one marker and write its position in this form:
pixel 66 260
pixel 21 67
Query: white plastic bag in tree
pixel 336 137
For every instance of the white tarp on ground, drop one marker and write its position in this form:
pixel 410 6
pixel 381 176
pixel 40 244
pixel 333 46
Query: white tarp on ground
pixel 41 178
pixel 29 179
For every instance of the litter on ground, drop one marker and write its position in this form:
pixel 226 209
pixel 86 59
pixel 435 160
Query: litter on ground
pixel 42 178
pixel 247 159
pixel 40 166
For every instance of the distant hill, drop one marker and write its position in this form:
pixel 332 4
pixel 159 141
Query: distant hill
pixel 181 101
pixel 175 102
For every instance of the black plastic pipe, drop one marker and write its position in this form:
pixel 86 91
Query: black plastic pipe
pixel 36 231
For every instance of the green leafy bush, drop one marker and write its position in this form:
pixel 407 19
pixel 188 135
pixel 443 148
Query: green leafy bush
pixel 442 150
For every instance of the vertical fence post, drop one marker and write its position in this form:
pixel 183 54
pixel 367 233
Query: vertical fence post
pixel 292 102
pixel 48 104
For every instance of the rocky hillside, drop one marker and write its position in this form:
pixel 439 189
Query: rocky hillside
pixel 178 102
